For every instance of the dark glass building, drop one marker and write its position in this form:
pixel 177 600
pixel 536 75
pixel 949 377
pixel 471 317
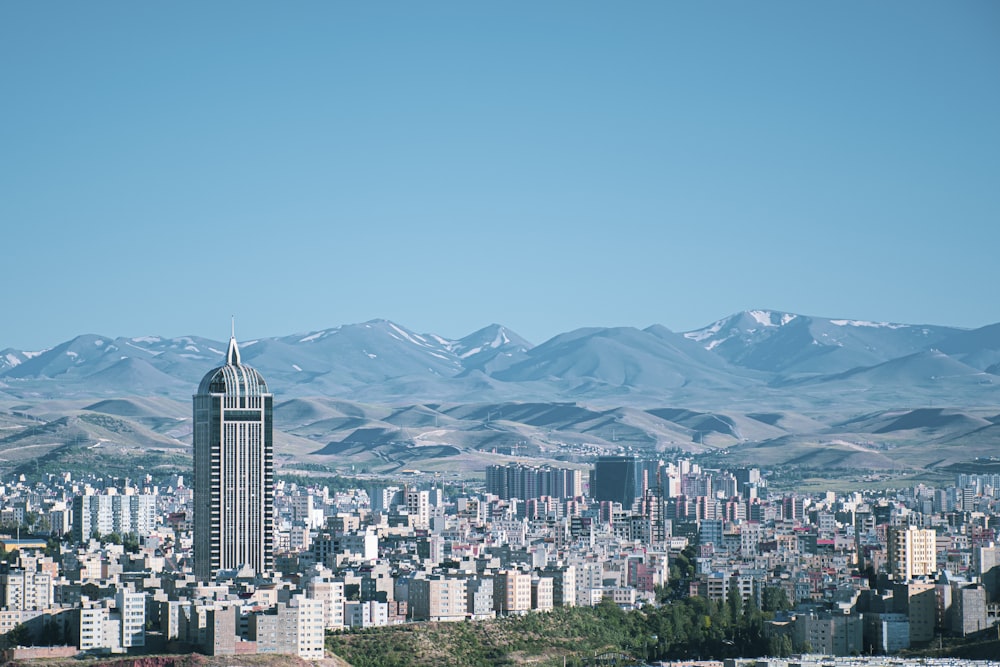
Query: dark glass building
pixel 618 479
pixel 233 470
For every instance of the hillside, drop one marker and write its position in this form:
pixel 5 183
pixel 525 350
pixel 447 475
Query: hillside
pixel 458 441
pixel 761 387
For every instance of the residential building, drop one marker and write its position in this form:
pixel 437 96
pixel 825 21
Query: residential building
pixel 911 552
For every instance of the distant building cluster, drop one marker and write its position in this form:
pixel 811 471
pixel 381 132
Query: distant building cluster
pixel 525 482
pixel 246 564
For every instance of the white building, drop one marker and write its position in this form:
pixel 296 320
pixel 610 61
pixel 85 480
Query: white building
pixel 131 608
pixel 323 587
pixel 366 614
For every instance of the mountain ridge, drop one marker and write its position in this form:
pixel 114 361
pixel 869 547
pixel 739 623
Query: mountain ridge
pixel 764 356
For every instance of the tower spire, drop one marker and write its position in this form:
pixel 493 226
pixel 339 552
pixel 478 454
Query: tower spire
pixel 233 354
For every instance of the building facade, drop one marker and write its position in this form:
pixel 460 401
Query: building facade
pixel 617 479
pixel 233 470
pixel 911 552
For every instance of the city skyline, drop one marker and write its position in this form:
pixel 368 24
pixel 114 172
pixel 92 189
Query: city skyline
pixel 545 167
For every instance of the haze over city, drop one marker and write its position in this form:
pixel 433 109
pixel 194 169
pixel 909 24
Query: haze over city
pixel 448 165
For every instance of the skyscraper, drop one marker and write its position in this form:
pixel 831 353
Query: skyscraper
pixel 233 470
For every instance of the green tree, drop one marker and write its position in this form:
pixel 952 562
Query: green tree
pixel 51 633
pixel 779 646
pixel 734 602
pixel 53 548
pixel 131 543
pixel 775 599
pixel 19 635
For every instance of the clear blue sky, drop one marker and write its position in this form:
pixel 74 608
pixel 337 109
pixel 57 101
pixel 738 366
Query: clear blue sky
pixel 545 165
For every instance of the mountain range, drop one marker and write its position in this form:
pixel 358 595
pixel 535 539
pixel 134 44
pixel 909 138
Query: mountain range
pixel 762 357
pixel 760 387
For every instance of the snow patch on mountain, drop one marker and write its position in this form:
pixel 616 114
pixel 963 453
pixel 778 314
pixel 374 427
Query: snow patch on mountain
pixel 715 343
pixel 499 340
pixel 762 317
pixel 707 332
pixel 865 323
pixel 767 318
pixel 443 342
pixel 144 349
pixel 416 339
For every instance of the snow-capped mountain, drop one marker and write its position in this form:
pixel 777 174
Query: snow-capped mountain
pixel 763 356
pixel 787 343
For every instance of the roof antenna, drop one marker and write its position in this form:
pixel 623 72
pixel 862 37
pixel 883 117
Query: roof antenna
pixel 233 354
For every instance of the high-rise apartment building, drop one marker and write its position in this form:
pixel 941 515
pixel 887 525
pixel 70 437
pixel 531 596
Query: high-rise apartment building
pixel 233 470
pixel 419 508
pixel 518 480
pixel 105 514
pixel 26 590
pixel 911 553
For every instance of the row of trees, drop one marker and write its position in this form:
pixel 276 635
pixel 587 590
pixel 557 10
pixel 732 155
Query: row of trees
pixel 695 627
pixel 682 629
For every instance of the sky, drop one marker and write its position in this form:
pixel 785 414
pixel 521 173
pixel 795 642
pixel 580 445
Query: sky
pixel 447 165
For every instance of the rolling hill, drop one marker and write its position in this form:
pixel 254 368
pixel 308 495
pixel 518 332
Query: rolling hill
pixel 759 386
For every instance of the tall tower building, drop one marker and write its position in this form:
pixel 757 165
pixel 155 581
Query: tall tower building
pixel 233 470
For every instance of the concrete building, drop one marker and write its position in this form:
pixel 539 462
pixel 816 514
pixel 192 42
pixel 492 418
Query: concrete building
pixel 830 634
pixel 293 628
pixel 418 507
pixel 541 594
pixel 479 598
pixel 93 624
pixel 131 609
pixel 563 584
pixel 911 552
pixel 522 481
pixel 968 608
pixel 986 563
pixel 221 630
pixel 330 591
pixel 22 590
pixel 886 633
pixel 105 514
pixel 438 598
pixel 366 614
pixel 918 601
pixel 511 592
